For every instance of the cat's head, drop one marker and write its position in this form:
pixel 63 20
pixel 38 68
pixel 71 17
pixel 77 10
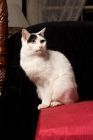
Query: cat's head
pixel 35 43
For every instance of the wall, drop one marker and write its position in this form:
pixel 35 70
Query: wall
pixel 19 2
pixel 14 30
pixel 32 12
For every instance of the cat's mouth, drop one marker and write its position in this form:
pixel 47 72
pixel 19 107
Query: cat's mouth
pixel 39 51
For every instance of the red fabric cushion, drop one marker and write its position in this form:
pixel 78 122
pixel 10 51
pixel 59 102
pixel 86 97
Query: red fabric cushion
pixel 66 122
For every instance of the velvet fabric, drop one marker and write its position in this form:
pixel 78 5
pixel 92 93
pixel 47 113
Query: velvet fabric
pixel 67 122
pixel 18 107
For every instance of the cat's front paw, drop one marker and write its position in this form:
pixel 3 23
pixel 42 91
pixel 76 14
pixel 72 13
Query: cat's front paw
pixel 55 103
pixel 40 106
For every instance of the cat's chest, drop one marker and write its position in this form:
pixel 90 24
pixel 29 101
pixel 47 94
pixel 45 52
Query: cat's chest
pixel 38 70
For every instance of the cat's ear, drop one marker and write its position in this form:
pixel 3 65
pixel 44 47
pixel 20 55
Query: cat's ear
pixel 25 34
pixel 42 31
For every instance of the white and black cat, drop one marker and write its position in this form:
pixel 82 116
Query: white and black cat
pixel 50 70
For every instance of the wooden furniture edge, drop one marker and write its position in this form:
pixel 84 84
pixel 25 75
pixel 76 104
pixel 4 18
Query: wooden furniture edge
pixel 3 40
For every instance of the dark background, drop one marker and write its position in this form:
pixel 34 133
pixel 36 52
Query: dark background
pixel 88 14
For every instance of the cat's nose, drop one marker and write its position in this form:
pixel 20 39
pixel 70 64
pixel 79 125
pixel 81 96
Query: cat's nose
pixel 40 47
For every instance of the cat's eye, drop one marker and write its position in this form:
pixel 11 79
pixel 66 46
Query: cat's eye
pixel 42 41
pixel 33 41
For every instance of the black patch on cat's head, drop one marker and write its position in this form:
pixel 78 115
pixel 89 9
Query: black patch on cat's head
pixel 31 38
pixel 40 34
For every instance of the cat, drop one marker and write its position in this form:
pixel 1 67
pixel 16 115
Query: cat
pixel 49 70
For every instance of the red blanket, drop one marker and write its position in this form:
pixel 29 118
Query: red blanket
pixel 67 122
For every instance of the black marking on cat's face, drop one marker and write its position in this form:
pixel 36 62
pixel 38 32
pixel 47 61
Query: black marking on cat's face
pixel 32 38
pixel 40 34
pixel 42 41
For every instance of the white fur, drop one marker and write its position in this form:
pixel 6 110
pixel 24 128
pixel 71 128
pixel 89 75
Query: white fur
pixel 50 71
